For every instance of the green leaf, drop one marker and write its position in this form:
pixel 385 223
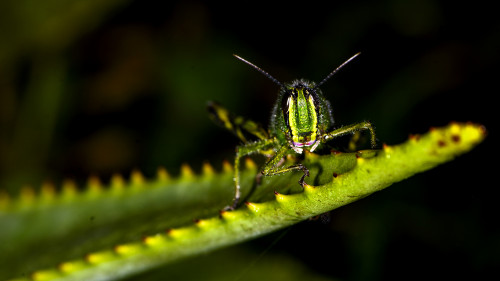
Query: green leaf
pixel 129 227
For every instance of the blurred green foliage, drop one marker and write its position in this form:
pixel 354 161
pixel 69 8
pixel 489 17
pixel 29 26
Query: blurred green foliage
pixel 98 87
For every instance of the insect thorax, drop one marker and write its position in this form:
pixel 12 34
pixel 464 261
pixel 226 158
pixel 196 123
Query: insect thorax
pixel 300 115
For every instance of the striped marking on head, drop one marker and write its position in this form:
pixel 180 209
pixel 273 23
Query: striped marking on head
pixel 302 117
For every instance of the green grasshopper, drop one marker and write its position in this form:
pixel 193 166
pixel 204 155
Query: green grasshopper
pixel 301 119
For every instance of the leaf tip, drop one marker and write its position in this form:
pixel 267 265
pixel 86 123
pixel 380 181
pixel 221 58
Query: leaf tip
pixel 478 131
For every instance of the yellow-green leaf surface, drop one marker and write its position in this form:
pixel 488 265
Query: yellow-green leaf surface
pixel 109 232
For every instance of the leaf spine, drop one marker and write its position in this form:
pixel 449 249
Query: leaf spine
pixel 254 207
pixel 202 223
pixel 71 266
pixel 154 240
pixel 162 174
pixel 360 160
pixel 179 232
pixel 414 137
pixel 250 164
pixel 98 257
pixel 455 128
pixel 227 167
pixel 117 182
pixel 228 215
pixel 94 185
pixel 280 197
pixel 4 199
pixel 187 171
pixel 136 178
pixel 128 249
pixel 207 169
pixel 309 188
pixel 27 194
pixel 48 191
pixel 69 188
pixel 45 275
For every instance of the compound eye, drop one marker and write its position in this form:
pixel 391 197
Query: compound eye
pixel 311 98
pixel 293 93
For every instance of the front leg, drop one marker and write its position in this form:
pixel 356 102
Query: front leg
pixel 350 129
pixel 261 147
pixel 272 167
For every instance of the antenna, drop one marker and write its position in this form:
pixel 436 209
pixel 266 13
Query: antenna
pixel 259 70
pixel 336 69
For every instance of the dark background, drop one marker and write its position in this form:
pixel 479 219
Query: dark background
pixel 98 87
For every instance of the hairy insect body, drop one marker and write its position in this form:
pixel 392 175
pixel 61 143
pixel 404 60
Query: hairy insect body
pixel 301 120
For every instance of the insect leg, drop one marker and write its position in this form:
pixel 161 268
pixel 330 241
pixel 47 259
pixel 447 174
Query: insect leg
pixel 235 124
pixel 350 129
pixel 272 167
pixel 243 150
